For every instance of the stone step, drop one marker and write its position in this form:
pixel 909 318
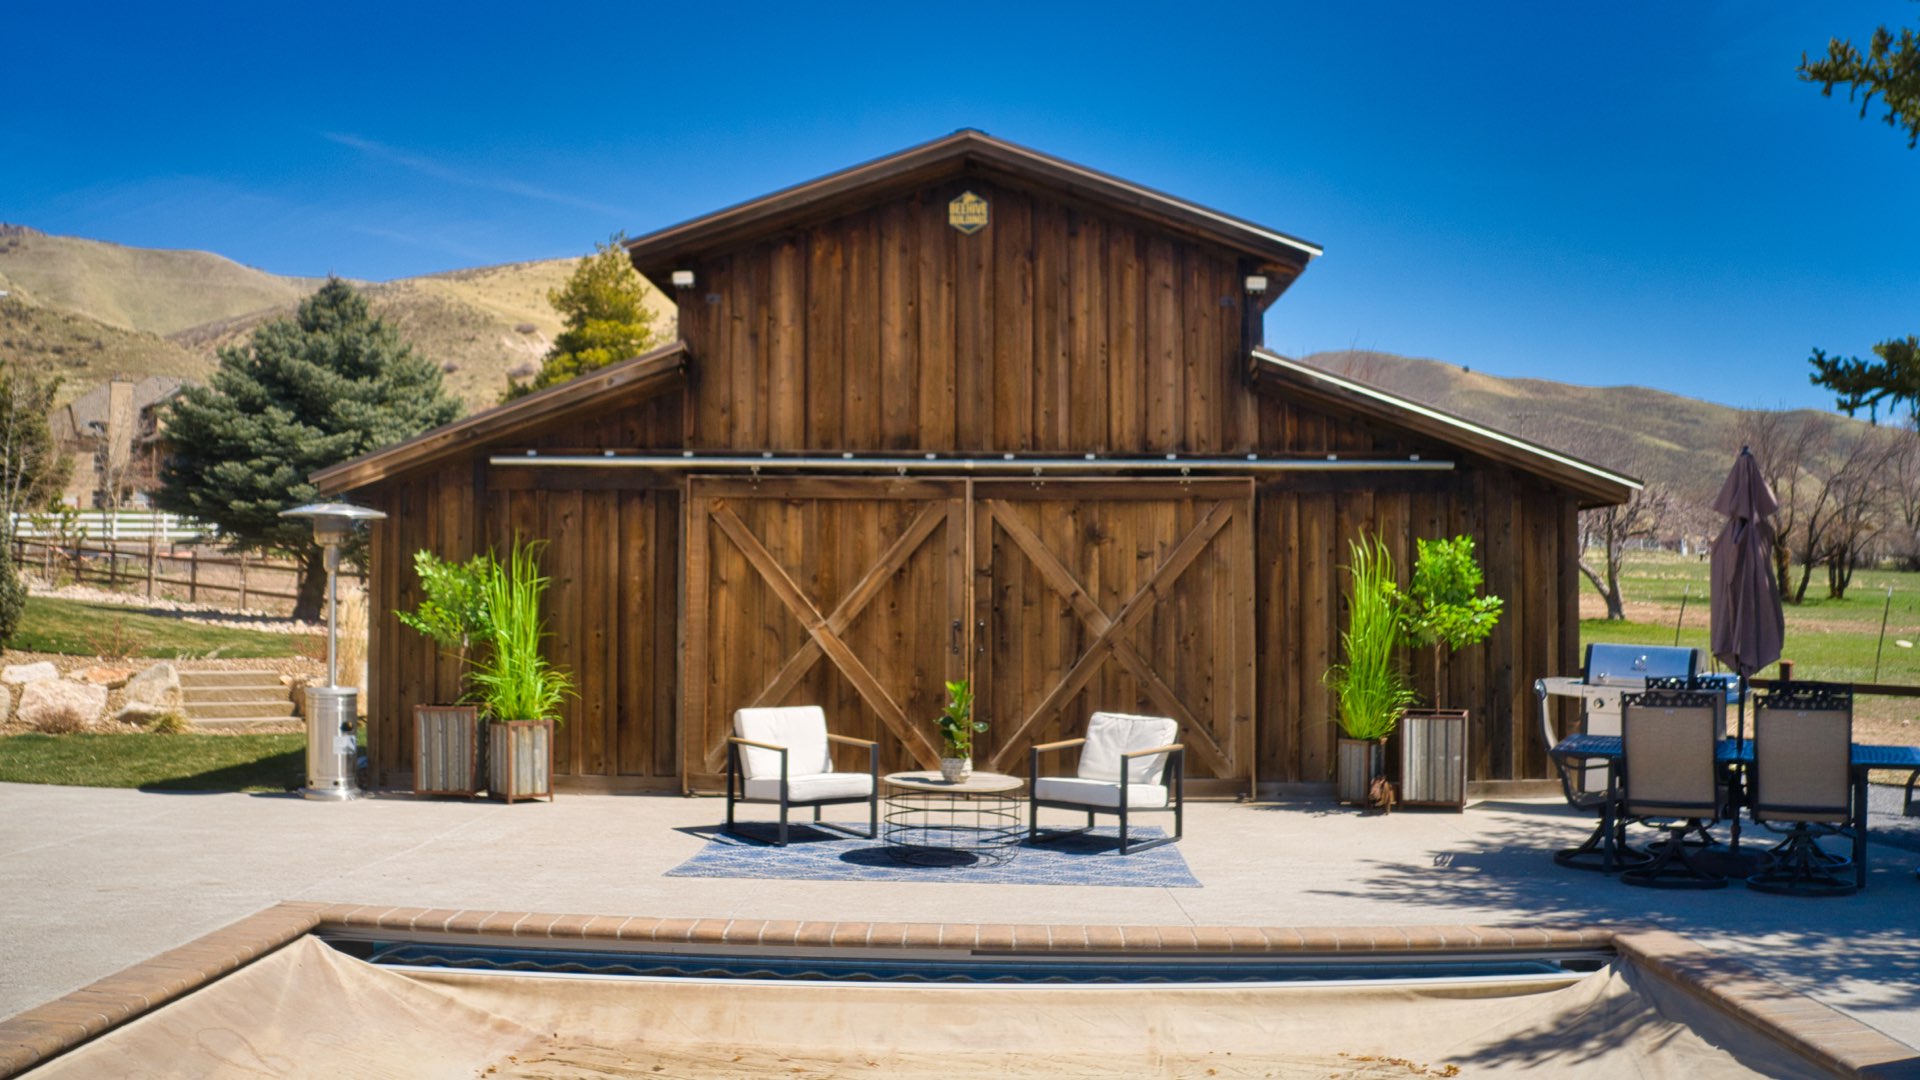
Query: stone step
pixel 245 723
pixel 196 695
pixel 222 710
pixel 191 680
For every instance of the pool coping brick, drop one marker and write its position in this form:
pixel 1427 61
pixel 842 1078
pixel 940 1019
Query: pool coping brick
pixel 1823 1035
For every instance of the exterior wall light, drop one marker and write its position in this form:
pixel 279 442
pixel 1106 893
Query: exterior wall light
pixel 683 279
pixel 1256 283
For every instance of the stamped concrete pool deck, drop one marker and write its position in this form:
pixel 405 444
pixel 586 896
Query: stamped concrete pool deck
pixel 94 880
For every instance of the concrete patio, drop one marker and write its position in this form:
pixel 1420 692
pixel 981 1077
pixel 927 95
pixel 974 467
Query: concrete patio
pixel 93 880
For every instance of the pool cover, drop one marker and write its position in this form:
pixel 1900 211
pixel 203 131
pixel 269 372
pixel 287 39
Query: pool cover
pixel 311 1010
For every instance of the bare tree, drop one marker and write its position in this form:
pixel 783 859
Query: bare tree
pixel 1609 529
pixel 1902 535
pixel 1787 445
pixel 1858 496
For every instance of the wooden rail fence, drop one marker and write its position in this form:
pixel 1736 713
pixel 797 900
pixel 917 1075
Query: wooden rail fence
pixel 249 578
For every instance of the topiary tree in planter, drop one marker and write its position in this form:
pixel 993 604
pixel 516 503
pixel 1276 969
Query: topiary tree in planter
pixel 1367 684
pixel 453 613
pixel 1441 609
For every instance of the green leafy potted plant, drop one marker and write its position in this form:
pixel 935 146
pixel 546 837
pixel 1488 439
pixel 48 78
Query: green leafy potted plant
pixel 517 688
pixel 1367 684
pixel 453 613
pixel 957 729
pixel 1443 610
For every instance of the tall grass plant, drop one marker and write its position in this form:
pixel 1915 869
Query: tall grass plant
pixel 513 679
pixel 1369 685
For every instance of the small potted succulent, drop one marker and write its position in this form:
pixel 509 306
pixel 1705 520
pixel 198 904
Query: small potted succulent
pixel 1368 685
pixel 453 613
pixel 517 688
pixel 957 729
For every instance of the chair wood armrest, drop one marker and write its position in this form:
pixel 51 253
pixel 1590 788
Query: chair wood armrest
pixel 1061 745
pixel 850 740
pixel 738 741
pixel 1167 749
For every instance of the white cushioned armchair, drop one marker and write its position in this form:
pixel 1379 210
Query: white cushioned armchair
pixel 1127 764
pixel 784 756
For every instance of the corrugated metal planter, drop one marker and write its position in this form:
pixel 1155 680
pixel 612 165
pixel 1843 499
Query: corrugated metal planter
pixel 520 759
pixel 1356 763
pixel 1433 758
pixel 446 750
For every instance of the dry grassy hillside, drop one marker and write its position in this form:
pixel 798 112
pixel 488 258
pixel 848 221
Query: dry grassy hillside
pixel 84 352
pixel 1681 442
pixel 477 324
pixel 136 288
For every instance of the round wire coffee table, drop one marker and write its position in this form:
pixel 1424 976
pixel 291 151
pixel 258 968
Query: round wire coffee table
pixel 931 822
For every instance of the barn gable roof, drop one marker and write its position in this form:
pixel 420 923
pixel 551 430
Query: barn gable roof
pixel 1596 486
pixel 629 380
pixel 658 254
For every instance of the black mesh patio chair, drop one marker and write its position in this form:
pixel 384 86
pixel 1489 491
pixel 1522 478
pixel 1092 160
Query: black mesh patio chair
pixel 1670 781
pixel 1803 787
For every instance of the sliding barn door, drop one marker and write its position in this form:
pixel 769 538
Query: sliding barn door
pixel 848 594
pixel 1123 596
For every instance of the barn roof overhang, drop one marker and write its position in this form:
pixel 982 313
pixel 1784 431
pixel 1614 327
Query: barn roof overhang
pixel 1592 484
pixel 658 254
pixel 632 380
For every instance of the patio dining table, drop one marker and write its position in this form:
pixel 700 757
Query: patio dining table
pixel 1738 753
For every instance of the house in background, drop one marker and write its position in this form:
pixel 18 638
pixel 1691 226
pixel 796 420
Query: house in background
pixel 970 411
pixel 116 435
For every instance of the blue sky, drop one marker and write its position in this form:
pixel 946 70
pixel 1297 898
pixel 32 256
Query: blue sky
pixel 1630 192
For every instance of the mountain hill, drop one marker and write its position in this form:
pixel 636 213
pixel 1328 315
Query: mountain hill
pixel 92 311
pixel 136 288
pixel 1683 443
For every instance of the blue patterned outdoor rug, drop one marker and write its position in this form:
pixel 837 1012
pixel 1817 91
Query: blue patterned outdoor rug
pixel 1091 858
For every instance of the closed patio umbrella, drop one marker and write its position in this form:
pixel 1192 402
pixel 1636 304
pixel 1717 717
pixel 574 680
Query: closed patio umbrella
pixel 1748 625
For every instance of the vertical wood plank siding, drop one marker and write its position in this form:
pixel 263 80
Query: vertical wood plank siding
pixel 1057 328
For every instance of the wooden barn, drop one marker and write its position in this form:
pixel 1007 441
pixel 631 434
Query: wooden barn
pixel 969 411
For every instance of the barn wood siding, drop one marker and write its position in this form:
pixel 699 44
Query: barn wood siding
pixel 1056 328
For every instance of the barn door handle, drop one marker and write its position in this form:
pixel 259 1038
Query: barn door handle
pixel 956 637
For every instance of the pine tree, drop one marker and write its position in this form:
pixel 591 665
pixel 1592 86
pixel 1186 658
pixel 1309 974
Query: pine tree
pixel 13 594
pixel 607 320
pixel 1891 70
pixel 329 384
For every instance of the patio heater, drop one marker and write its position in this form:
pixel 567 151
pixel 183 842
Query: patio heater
pixel 332 709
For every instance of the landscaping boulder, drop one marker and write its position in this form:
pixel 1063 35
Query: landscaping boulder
pixel 113 678
pixel 22 674
pixel 58 705
pixel 6 704
pixel 150 695
pixel 157 685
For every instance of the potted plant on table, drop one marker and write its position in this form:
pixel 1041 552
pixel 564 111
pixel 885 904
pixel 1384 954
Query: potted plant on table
pixel 453 613
pixel 1368 685
pixel 1443 610
pixel 957 729
pixel 517 688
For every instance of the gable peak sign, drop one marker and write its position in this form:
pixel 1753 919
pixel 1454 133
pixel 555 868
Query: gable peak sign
pixel 967 212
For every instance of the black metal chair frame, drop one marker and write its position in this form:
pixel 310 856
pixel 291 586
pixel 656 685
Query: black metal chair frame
pixel 1176 764
pixel 1672 865
pixel 1594 853
pixel 1798 865
pixel 736 788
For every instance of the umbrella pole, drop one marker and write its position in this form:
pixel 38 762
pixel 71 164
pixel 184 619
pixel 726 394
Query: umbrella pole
pixel 1739 772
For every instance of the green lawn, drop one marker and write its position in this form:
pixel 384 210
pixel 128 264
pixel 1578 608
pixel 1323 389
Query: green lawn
pixel 157 762
pixel 79 628
pixel 1826 639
